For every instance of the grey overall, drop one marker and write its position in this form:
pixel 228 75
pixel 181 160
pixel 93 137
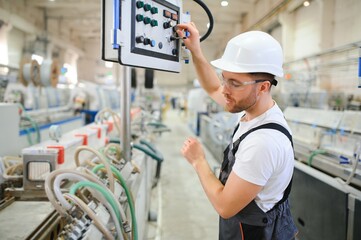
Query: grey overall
pixel 251 223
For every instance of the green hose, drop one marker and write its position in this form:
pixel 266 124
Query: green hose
pixel 97 187
pixel 313 154
pixel 157 124
pixel 114 140
pixel 127 192
pixel 34 127
pixel 153 153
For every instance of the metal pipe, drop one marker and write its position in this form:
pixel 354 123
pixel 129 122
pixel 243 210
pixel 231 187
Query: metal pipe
pixel 280 7
pixel 335 50
pixel 359 70
pixel 125 137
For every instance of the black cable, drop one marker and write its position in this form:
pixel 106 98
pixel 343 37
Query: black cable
pixel 211 21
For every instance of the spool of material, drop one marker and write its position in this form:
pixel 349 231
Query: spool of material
pixel 49 73
pixel 30 73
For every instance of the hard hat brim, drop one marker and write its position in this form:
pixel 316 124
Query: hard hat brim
pixel 235 68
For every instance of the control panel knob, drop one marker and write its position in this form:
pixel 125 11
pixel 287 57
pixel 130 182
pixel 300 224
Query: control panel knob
pixel 139 39
pixel 146 20
pixel 147 7
pixel 154 23
pixel 139 17
pixel 153 43
pixel 154 10
pixel 146 41
pixel 140 4
pixel 169 24
pixel 175 51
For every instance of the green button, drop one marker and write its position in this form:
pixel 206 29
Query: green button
pixel 139 17
pixel 147 7
pixel 154 23
pixel 154 10
pixel 140 4
pixel 146 20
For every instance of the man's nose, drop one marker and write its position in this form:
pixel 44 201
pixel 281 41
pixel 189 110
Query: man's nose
pixel 225 89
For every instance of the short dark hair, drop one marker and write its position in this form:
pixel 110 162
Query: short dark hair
pixel 264 76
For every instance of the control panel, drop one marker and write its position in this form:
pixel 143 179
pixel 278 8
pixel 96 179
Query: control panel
pixel 153 31
pixel 141 33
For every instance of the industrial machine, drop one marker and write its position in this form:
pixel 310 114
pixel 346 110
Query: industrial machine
pixel 216 131
pixel 93 182
pixel 86 202
pixel 326 192
pixel 326 188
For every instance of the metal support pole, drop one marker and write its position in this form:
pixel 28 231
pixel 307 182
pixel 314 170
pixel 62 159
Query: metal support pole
pixel 125 138
pixel 359 67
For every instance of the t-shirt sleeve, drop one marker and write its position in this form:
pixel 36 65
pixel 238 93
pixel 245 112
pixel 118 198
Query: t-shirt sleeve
pixel 256 158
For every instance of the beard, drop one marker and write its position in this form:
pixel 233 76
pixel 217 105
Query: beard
pixel 244 104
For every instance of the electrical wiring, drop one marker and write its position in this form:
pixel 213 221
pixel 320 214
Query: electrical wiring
pixel 313 154
pixel 35 126
pixel 9 172
pixel 97 187
pixel 111 211
pixel 357 157
pixel 118 150
pixel 120 231
pixel 57 182
pixel 109 197
pixel 100 115
pixel 101 158
pixel 49 180
pixel 89 175
pixel 128 194
pixel 7 160
pixel 146 150
pixel 11 165
pixel 87 172
pixel 210 17
pixel 91 214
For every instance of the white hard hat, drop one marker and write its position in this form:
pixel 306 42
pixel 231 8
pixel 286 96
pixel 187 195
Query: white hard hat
pixel 252 52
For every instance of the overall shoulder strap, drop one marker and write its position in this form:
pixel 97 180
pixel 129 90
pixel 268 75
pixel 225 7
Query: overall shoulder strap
pixel 277 127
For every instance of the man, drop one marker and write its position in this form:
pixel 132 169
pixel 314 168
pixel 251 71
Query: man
pixel 251 193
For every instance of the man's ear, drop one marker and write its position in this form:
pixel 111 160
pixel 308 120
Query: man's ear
pixel 265 86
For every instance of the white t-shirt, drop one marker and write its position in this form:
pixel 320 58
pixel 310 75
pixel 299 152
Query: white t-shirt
pixel 265 157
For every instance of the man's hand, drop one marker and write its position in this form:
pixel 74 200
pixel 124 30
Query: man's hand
pixel 192 40
pixel 192 150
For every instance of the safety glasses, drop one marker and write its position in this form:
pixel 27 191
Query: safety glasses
pixel 234 84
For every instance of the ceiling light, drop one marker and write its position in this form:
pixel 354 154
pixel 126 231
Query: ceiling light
pixel 224 3
pixel 306 3
pixel 51 0
pixel 108 64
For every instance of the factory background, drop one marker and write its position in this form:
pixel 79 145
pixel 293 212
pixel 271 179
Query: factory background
pixel 58 97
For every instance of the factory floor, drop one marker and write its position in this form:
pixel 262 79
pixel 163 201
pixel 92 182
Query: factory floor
pixel 179 201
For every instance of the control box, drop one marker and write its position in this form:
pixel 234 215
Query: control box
pixel 141 33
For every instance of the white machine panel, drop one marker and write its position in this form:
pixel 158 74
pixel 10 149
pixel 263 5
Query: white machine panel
pixel 316 117
pixel 145 35
pixel 9 135
pixel 351 121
